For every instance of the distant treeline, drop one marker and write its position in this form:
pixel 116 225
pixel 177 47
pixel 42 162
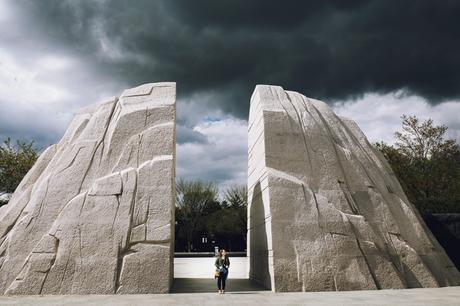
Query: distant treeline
pixel 204 222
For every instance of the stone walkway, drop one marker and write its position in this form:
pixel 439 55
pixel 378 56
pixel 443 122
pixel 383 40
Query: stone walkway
pixel 449 296
pixel 194 286
pixel 208 285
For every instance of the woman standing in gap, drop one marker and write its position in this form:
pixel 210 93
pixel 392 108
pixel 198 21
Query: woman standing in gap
pixel 222 264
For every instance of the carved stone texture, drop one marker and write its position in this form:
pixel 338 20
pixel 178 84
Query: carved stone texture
pixel 96 212
pixel 326 212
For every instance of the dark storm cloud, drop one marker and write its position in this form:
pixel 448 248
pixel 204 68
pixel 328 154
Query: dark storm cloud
pixel 59 55
pixel 326 49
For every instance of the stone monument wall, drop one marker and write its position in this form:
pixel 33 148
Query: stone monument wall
pixel 326 212
pixel 96 212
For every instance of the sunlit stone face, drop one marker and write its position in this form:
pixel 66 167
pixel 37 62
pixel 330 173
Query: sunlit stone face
pixel 96 212
pixel 325 209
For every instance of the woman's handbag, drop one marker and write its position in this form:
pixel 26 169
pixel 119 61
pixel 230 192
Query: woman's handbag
pixel 216 274
pixel 223 269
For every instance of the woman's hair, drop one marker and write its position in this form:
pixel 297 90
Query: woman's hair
pixel 220 251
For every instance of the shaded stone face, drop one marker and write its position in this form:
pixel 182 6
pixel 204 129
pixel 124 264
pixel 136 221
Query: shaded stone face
pixel 96 212
pixel 326 212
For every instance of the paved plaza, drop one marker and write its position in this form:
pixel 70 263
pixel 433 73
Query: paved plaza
pixel 449 296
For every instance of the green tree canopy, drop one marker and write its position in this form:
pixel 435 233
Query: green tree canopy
pixel 200 213
pixel 426 164
pixel 15 161
pixel 194 200
pixel 237 198
pixel 423 140
pixel 230 222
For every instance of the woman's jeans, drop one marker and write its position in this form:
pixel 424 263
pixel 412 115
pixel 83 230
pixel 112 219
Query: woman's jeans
pixel 221 279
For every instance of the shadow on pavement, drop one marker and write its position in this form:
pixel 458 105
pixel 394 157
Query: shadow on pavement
pixel 202 285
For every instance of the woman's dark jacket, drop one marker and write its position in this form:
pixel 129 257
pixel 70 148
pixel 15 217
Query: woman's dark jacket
pixel 222 262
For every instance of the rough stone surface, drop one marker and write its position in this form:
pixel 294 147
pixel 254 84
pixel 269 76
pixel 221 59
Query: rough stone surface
pixel 326 212
pixel 96 212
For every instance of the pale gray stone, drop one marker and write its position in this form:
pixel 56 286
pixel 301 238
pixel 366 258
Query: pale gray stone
pixel 96 212
pixel 326 212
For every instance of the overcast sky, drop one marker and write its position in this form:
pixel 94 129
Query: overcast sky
pixel 370 60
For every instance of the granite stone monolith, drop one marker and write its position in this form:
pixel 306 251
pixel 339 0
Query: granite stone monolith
pixel 95 214
pixel 326 211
